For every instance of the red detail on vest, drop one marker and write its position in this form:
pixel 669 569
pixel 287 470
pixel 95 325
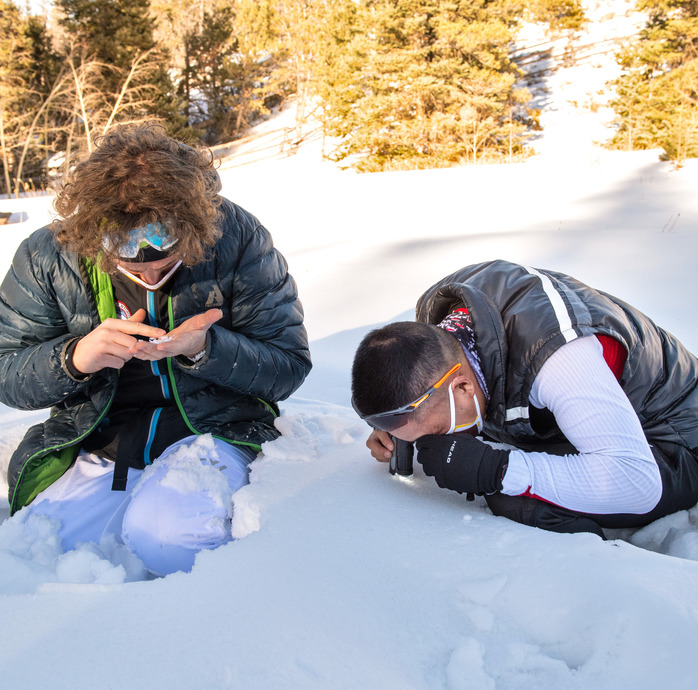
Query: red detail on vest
pixel 614 354
pixel 461 309
pixel 528 494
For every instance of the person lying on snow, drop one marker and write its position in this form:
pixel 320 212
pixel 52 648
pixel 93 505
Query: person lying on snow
pixel 599 404
pixel 153 312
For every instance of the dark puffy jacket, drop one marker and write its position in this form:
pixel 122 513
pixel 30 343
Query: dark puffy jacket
pixel 522 315
pixel 257 354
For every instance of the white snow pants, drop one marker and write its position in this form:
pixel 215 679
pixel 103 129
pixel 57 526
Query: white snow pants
pixel 169 512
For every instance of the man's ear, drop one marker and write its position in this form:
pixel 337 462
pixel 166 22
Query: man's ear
pixel 463 385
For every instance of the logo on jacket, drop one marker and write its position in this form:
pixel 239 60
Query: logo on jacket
pixel 215 298
pixel 122 311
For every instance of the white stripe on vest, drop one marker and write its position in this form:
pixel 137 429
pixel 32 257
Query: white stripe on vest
pixel 563 318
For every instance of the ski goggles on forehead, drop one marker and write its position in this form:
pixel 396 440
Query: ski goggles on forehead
pixel 147 243
pixel 394 419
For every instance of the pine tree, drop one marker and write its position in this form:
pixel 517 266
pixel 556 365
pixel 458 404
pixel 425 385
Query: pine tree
pixel 423 83
pixel 13 86
pixel 255 61
pixel 114 31
pixel 175 22
pixel 219 61
pixel 560 15
pixel 117 34
pixel 44 61
pixel 657 91
pixel 208 53
pixel 28 69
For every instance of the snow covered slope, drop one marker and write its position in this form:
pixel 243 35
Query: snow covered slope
pixel 342 576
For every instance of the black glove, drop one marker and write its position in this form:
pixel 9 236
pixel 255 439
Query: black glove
pixel 462 463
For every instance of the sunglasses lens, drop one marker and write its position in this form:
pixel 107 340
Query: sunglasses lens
pixel 388 422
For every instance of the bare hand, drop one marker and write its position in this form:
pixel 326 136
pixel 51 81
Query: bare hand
pixel 381 445
pixel 111 343
pixel 188 339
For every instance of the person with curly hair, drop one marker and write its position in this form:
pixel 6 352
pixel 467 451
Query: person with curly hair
pixel 161 326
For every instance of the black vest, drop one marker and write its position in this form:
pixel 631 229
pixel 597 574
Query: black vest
pixel 522 315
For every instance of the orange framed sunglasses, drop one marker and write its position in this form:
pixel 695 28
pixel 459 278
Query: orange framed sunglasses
pixel 394 419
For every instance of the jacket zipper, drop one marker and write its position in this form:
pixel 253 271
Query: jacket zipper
pixel 171 377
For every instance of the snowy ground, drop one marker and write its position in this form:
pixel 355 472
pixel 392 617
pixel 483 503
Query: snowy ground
pixel 341 576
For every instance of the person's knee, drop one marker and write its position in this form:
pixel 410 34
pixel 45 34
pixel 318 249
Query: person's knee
pixel 166 528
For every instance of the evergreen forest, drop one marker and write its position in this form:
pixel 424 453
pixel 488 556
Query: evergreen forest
pixel 393 84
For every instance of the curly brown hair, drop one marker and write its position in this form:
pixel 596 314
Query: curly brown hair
pixel 137 175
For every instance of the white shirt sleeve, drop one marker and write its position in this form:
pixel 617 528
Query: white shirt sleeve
pixel 614 471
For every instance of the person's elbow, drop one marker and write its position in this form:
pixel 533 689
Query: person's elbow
pixel 299 366
pixel 643 489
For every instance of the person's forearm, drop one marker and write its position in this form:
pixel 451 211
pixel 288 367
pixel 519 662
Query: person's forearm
pixel 35 377
pixel 267 370
pixel 587 483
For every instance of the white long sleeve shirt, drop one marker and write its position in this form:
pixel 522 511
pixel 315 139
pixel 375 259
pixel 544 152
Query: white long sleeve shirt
pixel 614 471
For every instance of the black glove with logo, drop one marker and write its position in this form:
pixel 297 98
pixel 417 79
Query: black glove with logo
pixel 462 463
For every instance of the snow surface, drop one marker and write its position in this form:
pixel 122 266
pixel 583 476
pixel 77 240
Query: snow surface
pixel 342 576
